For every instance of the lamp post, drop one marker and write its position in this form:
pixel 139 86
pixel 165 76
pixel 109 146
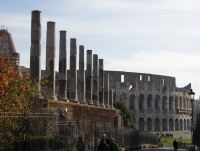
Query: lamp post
pixel 191 94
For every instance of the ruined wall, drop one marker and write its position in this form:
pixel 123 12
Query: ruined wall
pixel 156 102
pixel 7 46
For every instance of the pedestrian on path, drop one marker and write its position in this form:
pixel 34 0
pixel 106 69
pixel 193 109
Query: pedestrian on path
pixel 102 146
pixel 107 140
pixel 112 146
pixel 80 144
pixel 175 145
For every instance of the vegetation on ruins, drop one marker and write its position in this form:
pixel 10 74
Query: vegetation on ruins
pixel 125 113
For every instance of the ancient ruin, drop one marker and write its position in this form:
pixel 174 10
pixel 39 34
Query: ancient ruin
pixel 156 102
pixel 85 97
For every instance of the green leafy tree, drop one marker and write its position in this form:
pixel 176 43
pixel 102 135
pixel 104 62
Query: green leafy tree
pixel 125 113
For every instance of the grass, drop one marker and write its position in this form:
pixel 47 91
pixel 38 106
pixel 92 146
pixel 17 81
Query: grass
pixel 168 142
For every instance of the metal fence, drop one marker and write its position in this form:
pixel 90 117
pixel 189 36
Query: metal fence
pixel 62 135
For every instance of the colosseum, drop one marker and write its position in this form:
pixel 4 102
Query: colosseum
pixel 156 102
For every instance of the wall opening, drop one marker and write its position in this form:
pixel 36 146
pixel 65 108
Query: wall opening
pixel 140 77
pixel 149 78
pixel 122 78
pixel 163 81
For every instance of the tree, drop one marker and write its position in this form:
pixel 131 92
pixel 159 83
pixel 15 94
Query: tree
pixel 125 113
pixel 16 101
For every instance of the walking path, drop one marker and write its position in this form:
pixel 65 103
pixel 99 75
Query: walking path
pixel 164 149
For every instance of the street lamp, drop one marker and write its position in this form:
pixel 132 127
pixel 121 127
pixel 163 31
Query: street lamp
pixel 191 94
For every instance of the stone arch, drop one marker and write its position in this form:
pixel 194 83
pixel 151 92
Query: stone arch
pixel 181 124
pixel 184 124
pixel 157 124
pixel 149 124
pixel 171 124
pixel 122 97
pixel 141 102
pixel 176 125
pixel 171 103
pixel 149 102
pixel 157 99
pixel 164 103
pixel 141 124
pixel 132 101
pixel 164 124
pixel 180 103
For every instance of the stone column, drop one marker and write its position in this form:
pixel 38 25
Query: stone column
pixel 173 105
pixel 35 54
pixel 161 128
pixel 101 83
pixel 62 69
pixel 153 124
pixel 50 59
pixel 167 124
pixel 153 103
pixel 89 78
pixel 95 97
pixel 167 107
pixel 179 124
pixel 73 71
pixel 111 98
pixel 173 129
pixel 81 88
pixel 106 90
pixel 145 125
pixel 145 102
pixel 160 104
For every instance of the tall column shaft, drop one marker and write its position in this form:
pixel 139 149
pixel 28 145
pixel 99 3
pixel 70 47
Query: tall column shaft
pixel 73 71
pixel 89 78
pixel 101 83
pixel 106 90
pixel 111 98
pixel 50 59
pixel 95 97
pixel 81 88
pixel 62 69
pixel 35 54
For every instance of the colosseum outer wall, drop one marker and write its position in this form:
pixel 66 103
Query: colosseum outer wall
pixel 157 104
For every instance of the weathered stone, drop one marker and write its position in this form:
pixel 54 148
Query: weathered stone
pixel 50 60
pixel 35 52
pixel 73 71
pixel 62 71
pixel 106 90
pixel 95 96
pixel 111 99
pixel 101 83
pixel 89 78
pixel 81 88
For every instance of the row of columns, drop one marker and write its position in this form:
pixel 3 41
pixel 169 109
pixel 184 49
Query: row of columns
pixel 174 126
pixel 93 86
pixel 167 104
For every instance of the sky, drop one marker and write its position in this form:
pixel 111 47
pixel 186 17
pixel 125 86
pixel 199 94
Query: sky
pixel 146 36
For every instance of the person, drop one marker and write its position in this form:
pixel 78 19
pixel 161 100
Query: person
pixel 107 140
pixel 112 146
pixel 175 145
pixel 80 144
pixel 102 146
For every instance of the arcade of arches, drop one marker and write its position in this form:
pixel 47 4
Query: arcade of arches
pixel 158 113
